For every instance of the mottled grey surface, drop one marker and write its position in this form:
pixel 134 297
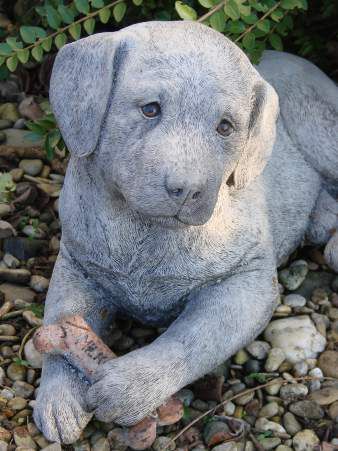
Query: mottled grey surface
pixel 207 263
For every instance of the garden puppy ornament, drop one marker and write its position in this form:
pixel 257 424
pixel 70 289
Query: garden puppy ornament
pixel 177 205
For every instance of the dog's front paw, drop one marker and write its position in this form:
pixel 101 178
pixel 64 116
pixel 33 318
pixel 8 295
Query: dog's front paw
pixel 127 389
pixel 59 412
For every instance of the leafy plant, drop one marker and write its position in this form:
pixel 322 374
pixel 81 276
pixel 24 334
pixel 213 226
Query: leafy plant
pixel 47 129
pixel 37 309
pixel 21 362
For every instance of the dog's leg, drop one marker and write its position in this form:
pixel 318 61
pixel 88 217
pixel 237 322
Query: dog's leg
pixel 61 411
pixel 217 321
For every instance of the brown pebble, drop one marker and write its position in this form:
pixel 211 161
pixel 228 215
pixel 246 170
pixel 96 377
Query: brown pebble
pixel 142 435
pixel 170 412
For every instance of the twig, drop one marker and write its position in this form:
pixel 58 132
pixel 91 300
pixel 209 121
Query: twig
pixel 256 442
pixel 270 11
pixel 212 11
pixel 246 392
pixel 24 341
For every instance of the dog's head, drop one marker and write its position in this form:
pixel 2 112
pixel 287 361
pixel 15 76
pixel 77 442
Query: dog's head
pixel 167 111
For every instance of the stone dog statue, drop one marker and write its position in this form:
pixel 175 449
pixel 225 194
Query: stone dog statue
pixel 178 205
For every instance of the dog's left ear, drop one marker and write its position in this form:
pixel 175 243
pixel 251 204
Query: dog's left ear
pixel 261 136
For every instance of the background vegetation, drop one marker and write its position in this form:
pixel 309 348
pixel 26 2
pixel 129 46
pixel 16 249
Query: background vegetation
pixel 32 31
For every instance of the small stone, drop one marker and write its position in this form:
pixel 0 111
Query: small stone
pixel 24 248
pixel 22 438
pixel 333 411
pixel 275 357
pixel 11 261
pixel 5 210
pixel 163 444
pixel 283 448
pixel 16 174
pixel 9 111
pixel 307 409
pixel 17 403
pixel 39 284
pixel 269 410
pixel 301 368
pixel 7 329
pixel 229 446
pixel 13 292
pixel 30 109
pixel 292 392
pixel 244 399
pixel 2 376
pixel 21 276
pixel 259 349
pixel 18 138
pixel 20 124
pixel 31 318
pixel 116 438
pixel 328 363
pixel 252 366
pixel 34 232
pixel 5 435
pixel 16 372
pixel 296 336
pixel 315 384
pixel 101 444
pixel 23 389
pixel 186 396
pixel 270 443
pixel 241 357
pixel 6 230
pixel 263 425
pixel 305 440
pixel 333 313
pixel 294 300
pixel 293 277
pixel 325 396
pixel 5 123
pixel 291 423
pixel 31 167
pixel 53 447
pixel 273 389
pixel 33 356
pixel 216 432
pixel 229 408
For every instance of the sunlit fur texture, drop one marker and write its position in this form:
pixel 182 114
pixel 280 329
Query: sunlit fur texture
pixel 204 265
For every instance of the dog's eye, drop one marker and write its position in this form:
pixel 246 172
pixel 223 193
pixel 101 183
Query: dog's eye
pixel 224 128
pixel 151 109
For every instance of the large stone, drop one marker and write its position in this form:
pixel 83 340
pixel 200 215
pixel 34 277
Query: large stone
pixel 13 292
pixel 296 336
pixel 328 363
pixel 307 409
pixel 325 396
pixel 305 440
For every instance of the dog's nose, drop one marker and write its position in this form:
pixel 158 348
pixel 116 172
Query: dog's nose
pixel 183 194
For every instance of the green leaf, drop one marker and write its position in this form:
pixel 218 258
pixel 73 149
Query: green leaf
pixel 264 26
pixel 20 362
pixel 5 49
pixel 60 40
pixel 36 128
pixel 244 10
pixel 231 9
pixel 237 27
pixel 47 43
pixel 289 4
pixel 2 60
pixel 185 11
pixel 37 309
pixel 82 6
pixel 288 22
pixel 23 55
pixel 277 15
pixel 97 4
pixel 14 44
pixel 30 34
pixel 75 31
pixel 137 2
pixel 66 14
pixel 49 149
pixel 104 15
pixel 53 17
pixel 41 10
pixel 217 21
pixel 54 137
pixel 206 3
pixel 251 19
pixel 37 53
pixel 276 42
pixel 119 11
pixel 12 63
pixel 89 25
pixel 249 41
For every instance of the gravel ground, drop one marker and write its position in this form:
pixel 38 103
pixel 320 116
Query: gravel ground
pixel 301 340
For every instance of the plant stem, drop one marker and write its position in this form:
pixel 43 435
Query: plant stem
pixel 212 11
pixel 252 27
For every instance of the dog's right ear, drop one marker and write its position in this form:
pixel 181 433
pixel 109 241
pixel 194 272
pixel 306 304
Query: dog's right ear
pixel 81 85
